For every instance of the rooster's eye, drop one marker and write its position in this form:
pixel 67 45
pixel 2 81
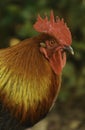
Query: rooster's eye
pixel 52 42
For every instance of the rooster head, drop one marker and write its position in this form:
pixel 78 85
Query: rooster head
pixel 55 47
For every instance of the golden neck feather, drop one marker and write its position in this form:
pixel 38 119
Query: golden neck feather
pixel 27 84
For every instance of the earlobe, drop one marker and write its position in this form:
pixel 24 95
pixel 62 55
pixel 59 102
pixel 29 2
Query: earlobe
pixel 42 44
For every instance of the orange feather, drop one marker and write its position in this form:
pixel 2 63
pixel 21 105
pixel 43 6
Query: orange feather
pixel 28 86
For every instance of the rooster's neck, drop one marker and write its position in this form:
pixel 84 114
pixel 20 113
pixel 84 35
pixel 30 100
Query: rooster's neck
pixel 28 85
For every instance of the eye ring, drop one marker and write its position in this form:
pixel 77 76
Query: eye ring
pixel 52 42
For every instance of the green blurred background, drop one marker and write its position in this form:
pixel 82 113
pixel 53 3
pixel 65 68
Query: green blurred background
pixel 16 23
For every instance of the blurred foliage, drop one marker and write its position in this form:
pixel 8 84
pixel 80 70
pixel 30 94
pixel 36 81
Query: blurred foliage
pixel 16 22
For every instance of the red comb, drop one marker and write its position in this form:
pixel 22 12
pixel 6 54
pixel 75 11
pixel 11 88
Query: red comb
pixel 56 28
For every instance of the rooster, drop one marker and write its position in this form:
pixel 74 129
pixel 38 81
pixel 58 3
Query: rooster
pixel 30 74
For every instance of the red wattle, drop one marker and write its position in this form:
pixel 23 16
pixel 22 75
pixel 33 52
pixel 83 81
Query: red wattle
pixel 57 62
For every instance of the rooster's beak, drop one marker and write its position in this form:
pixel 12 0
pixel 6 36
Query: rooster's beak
pixel 69 49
